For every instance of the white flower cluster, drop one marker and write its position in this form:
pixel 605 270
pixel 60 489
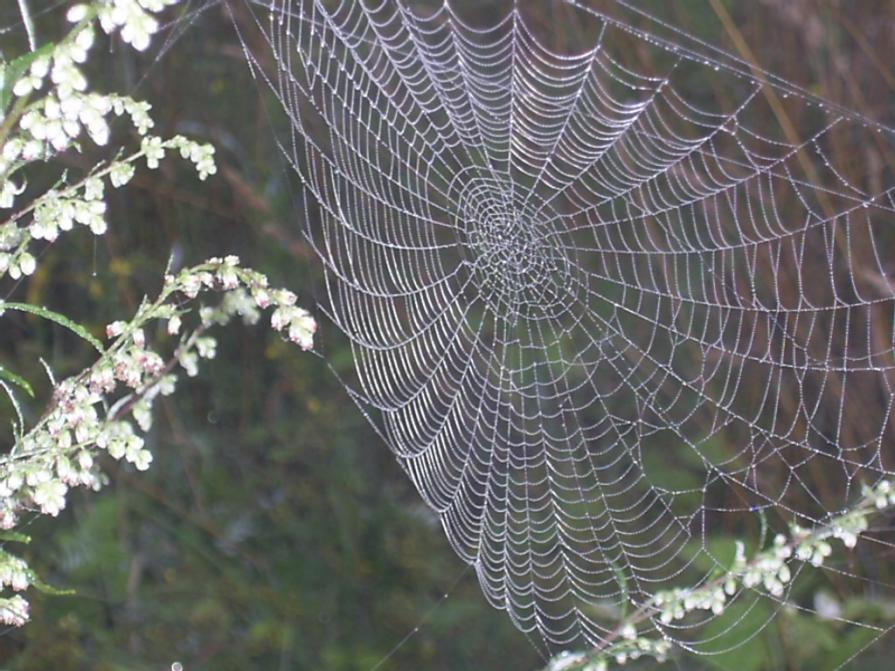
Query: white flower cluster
pixel 845 528
pixel 103 409
pixel 765 568
pixel 248 293
pixel 132 17
pixel 86 419
pixel 768 570
pixel 882 495
pixel 61 66
pixel 55 212
pixel 201 155
pixel 52 124
pixel 14 572
pixel 629 647
pixel 13 611
pixel 59 453
pixel 58 210
pixel 298 323
pixel 61 448
pixel 17 264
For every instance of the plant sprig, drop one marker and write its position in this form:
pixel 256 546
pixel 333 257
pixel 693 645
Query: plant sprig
pixel 768 570
pixel 106 409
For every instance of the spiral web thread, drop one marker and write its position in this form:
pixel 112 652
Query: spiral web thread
pixel 568 280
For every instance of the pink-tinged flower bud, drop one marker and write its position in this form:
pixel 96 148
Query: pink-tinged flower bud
pixel 139 338
pixel 114 329
pixel 262 298
pixel 280 318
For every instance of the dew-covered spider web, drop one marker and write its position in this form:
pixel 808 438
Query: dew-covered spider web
pixel 610 306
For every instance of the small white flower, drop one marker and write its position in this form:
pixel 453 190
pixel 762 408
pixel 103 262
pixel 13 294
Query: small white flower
pixel 98 225
pixel 139 337
pixel 27 264
pixel 206 347
pixel 71 107
pixel 139 29
pixel 302 328
pixel 142 413
pixel 191 284
pixel 83 42
pixel 98 131
pixel 94 189
pixel 154 150
pixel 12 149
pixel 190 362
pixel 142 460
pixel 784 575
pixel 262 298
pixel 85 460
pixel 150 362
pixel 139 114
pixel 8 518
pixel 167 385
pixel 34 79
pixel 18 580
pixel 280 318
pixel 120 174
pixel 67 77
pixel 32 150
pixel 76 13
pixel 228 278
pixel 8 192
pixel 285 297
pixel 115 329
pixel 50 497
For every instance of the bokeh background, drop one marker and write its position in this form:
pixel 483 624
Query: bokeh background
pixel 275 530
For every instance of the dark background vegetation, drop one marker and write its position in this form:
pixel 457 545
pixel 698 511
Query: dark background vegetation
pixel 274 530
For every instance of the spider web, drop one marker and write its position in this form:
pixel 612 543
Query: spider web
pixel 602 313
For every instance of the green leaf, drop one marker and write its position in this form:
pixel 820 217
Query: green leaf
pixel 17 380
pixel 19 428
pixel 13 71
pixel 60 319
pixel 44 588
pixel 34 579
pixel 14 537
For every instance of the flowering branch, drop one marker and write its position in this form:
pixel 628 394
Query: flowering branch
pixel 107 407
pixel 768 570
pixel 42 128
pixel 86 419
